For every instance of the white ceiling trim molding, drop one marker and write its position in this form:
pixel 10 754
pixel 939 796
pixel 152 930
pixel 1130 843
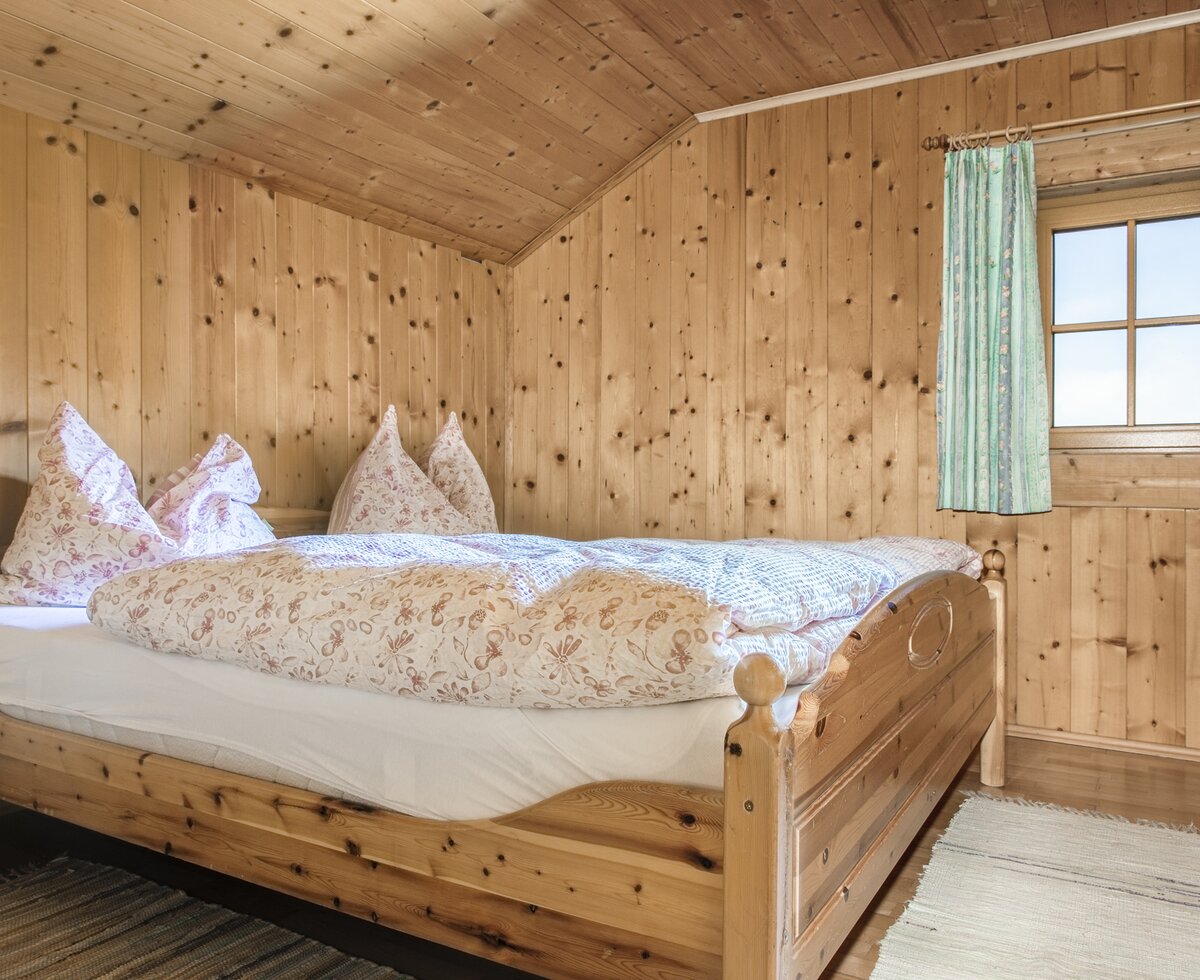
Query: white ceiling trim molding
pixel 1148 26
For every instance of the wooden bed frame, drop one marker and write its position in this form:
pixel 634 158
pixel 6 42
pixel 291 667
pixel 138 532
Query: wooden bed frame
pixel 761 881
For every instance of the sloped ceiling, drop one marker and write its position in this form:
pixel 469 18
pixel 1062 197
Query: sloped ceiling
pixel 475 123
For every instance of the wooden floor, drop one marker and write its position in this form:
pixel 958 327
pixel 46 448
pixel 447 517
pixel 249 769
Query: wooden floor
pixel 1137 787
pixel 1133 786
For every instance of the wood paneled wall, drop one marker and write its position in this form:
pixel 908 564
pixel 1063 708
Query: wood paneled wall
pixel 741 339
pixel 170 303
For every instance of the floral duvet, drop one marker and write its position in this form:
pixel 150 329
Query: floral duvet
pixel 516 620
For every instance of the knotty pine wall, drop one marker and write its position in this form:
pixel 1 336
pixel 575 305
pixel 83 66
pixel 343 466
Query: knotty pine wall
pixel 171 303
pixel 741 340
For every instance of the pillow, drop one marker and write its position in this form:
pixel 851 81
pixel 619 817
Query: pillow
pixel 84 524
pixel 452 467
pixel 386 492
pixel 205 507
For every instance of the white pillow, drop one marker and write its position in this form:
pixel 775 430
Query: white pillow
pixel 386 492
pixel 84 524
pixel 454 470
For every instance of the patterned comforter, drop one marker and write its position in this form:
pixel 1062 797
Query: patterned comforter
pixel 515 620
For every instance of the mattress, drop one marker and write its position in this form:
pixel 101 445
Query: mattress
pixel 441 761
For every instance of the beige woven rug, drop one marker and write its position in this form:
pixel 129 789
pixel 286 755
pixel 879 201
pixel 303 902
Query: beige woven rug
pixel 1025 891
pixel 71 920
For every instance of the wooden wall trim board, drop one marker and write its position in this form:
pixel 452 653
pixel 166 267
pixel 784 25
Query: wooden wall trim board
pixel 802 302
pixel 1085 39
pixel 1189 753
pixel 170 303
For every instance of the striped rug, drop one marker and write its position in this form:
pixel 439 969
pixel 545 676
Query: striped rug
pixel 1027 891
pixel 71 920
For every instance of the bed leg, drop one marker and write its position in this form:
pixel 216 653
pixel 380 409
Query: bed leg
pixel 757 767
pixel 992 752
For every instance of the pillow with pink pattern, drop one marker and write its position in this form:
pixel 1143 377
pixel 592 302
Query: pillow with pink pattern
pixel 452 467
pixel 84 524
pixel 386 492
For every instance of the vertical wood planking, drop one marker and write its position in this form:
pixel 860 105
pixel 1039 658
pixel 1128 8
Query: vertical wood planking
pixel 1154 68
pixel 866 228
pixel 498 334
pixel 171 303
pixel 424 299
pixel 57 277
pixel 583 381
pixel 212 206
pixel 331 246
pixel 254 327
pixel 394 331
pixel 114 297
pixel 524 397
pixel 1156 663
pixel 850 270
pixel 14 339
pixel 402 381
pixel 166 351
pixel 1044 624
pixel 652 346
pixel 474 358
pixel 448 365
pixel 553 422
pixel 806 178
pixel 766 332
pixel 1098 603
pixel 1098 82
pixel 894 335
pixel 617 477
pixel 942 109
pixel 1043 87
pixel 689 334
pixel 296 456
pixel 363 324
pixel 725 517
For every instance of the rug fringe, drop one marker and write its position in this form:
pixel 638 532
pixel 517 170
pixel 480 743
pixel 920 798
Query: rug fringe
pixel 1190 828
pixel 24 870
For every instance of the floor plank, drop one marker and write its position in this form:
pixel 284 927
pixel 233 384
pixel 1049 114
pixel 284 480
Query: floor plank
pixel 1132 786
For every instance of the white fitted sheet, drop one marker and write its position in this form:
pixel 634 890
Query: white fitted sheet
pixel 442 761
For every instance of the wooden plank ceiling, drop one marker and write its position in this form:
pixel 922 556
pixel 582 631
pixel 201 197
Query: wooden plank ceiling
pixel 475 123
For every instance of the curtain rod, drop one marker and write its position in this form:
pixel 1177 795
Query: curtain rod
pixel 948 141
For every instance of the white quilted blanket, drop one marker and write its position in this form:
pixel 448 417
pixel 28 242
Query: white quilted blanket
pixel 515 620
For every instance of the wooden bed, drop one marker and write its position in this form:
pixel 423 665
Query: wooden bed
pixel 763 880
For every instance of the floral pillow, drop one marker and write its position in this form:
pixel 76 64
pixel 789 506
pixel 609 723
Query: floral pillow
pixel 205 507
pixel 84 523
pixel 386 492
pixel 452 467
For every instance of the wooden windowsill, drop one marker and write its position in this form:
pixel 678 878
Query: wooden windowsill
pixel 1125 478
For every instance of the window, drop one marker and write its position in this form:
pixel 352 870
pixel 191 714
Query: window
pixel 1121 292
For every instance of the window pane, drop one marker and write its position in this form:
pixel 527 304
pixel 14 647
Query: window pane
pixel 1090 275
pixel 1167 284
pixel 1089 378
pixel 1168 366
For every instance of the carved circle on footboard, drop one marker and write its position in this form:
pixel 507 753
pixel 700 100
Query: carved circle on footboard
pixel 930 632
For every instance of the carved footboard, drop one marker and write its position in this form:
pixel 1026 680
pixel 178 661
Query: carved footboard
pixel 818 810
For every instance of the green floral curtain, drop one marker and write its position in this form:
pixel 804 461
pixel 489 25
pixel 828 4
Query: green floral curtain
pixel 993 414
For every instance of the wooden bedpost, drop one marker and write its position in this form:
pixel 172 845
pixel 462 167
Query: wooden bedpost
pixel 991 766
pixel 758 757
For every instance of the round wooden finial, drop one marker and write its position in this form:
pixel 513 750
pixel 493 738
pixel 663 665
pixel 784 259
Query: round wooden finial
pixel 759 679
pixel 993 561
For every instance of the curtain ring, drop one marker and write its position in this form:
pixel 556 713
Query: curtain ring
pixel 1011 135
